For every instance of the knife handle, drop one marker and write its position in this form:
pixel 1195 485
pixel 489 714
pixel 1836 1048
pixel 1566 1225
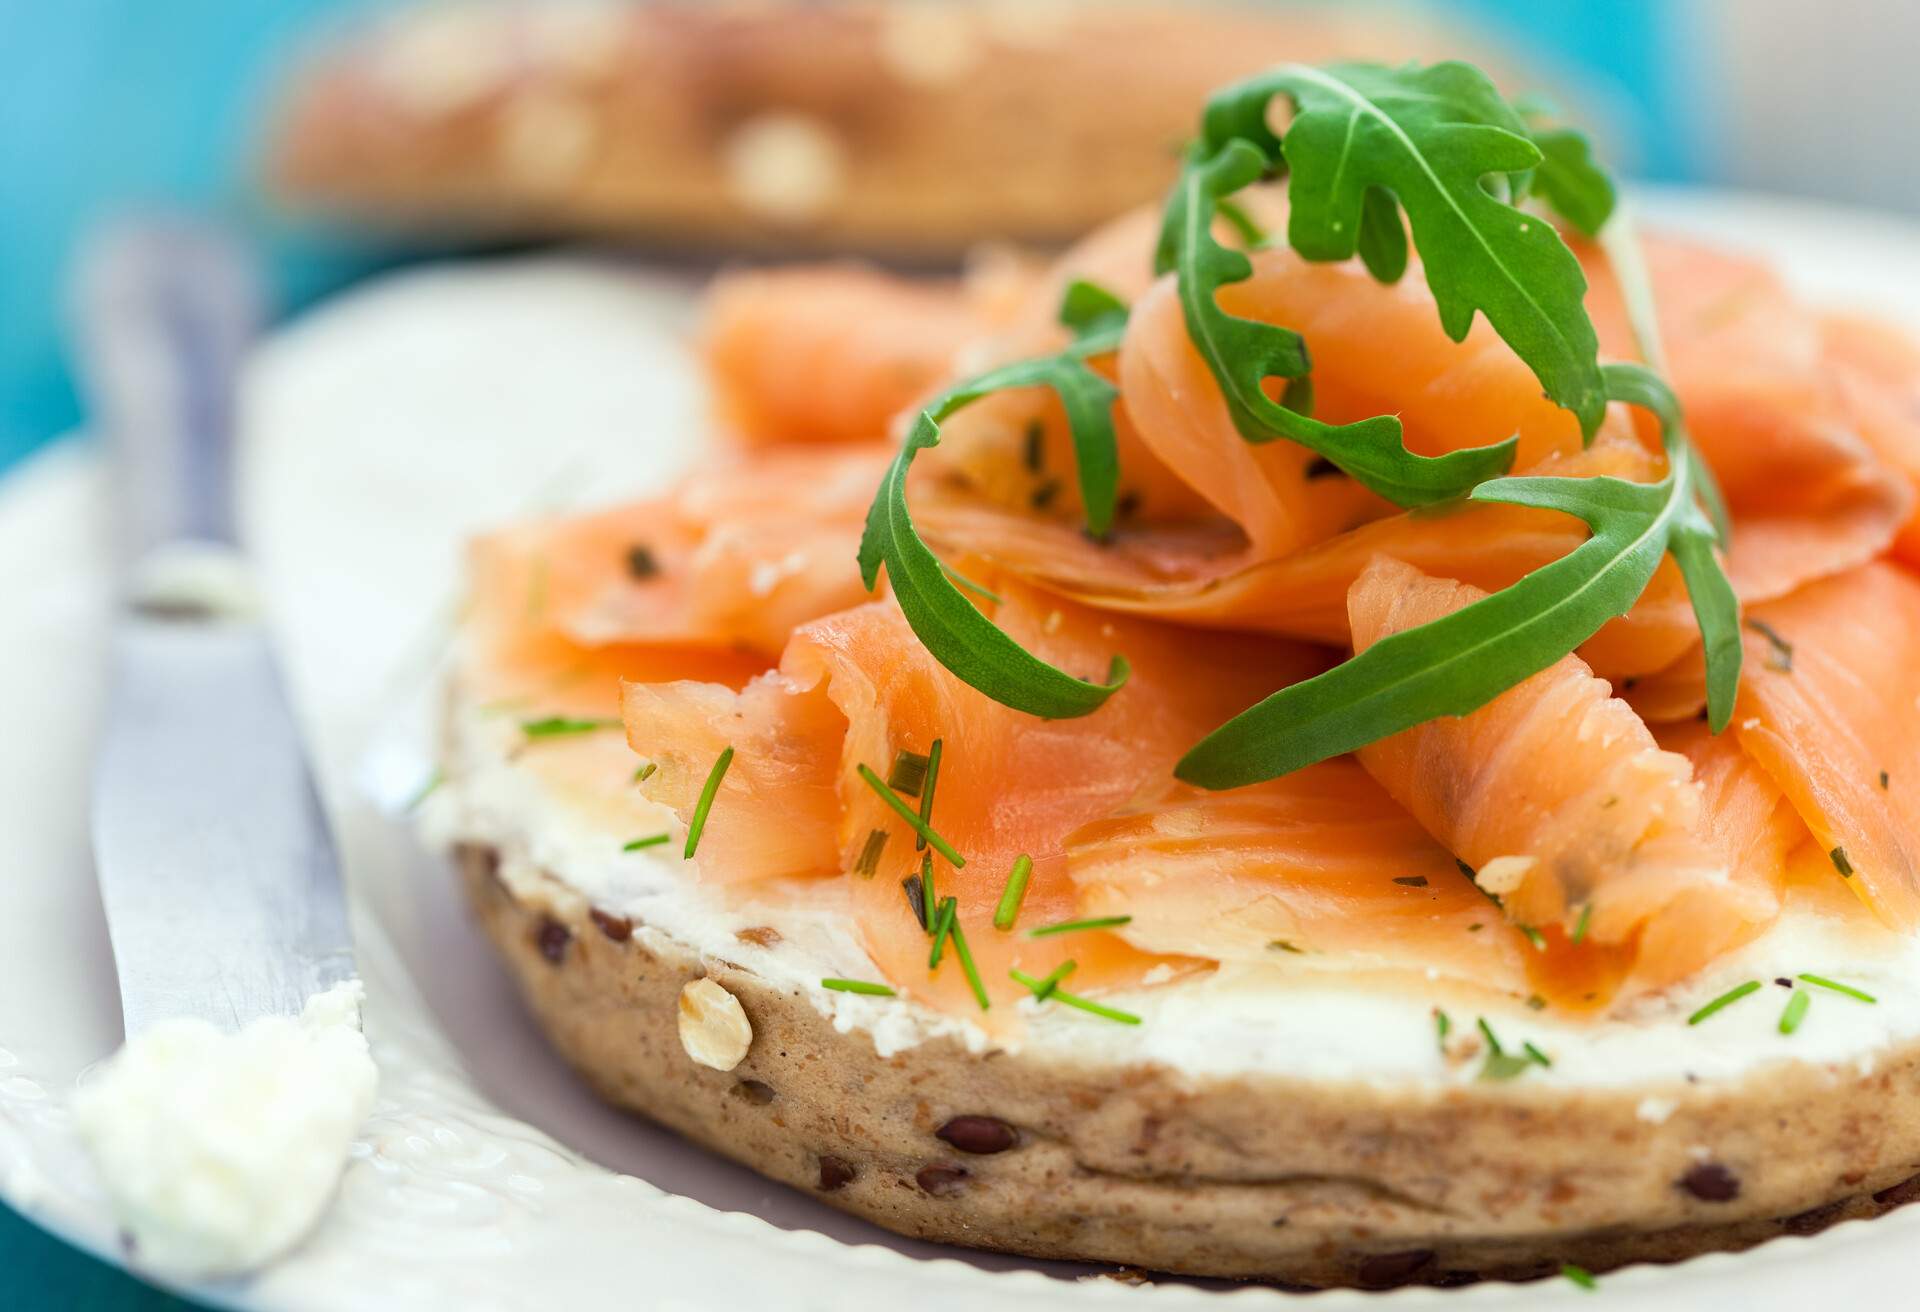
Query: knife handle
pixel 165 310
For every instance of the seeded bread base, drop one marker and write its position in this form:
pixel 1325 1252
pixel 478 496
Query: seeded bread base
pixel 1293 1181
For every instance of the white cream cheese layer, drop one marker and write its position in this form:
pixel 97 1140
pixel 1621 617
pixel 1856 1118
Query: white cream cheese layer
pixel 1301 1015
pixel 219 1150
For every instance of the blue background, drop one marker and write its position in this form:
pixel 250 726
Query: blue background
pixel 112 104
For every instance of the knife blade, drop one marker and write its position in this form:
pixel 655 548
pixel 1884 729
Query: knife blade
pixel 216 867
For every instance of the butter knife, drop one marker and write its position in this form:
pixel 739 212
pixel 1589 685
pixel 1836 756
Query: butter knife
pixel 216 867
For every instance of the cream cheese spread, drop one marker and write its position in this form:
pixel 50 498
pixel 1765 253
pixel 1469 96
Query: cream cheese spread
pixel 220 1151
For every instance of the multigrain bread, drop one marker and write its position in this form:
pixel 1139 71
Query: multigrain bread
pixel 916 128
pixel 1292 1180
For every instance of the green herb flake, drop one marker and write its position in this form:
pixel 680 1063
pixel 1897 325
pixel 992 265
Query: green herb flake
pixel 1074 1000
pixel 1282 945
pixel 1076 926
pixel 1580 1276
pixel 857 986
pixel 909 773
pixel 869 861
pixel 427 789
pixel 1796 1011
pixel 1533 936
pixel 704 806
pixel 644 772
pixel 1839 858
pixel 960 949
pixel 560 726
pixel 934 754
pixel 917 900
pixel 1535 1002
pixel 945 910
pixel 641 563
pixel 1779 650
pixel 926 879
pixel 1725 1000
pixel 1442 1026
pixel 1821 981
pixel 1579 935
pixel 1046 987
pixel 1034 450
pixel 1016 891
pixel 1493 1040
pixel 912 817
pixel 1501 1066
pixel 1411 881
pixel 1536 1056
pixel 1885 779
pixel 651 840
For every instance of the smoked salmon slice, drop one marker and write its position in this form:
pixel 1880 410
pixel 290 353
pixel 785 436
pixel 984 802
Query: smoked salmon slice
pixel 1318 868
pixel 857 688
pixel 1560 799
pixel 1830 709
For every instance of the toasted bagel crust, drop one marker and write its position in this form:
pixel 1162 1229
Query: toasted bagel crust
pixel 1305 1182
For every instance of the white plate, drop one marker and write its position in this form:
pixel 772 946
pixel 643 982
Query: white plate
pixel 382 430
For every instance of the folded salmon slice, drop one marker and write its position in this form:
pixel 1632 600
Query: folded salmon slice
pixel 729 561
pixel 1320 868
pixel 857 688
pixel 1830 708
pixel 1562 801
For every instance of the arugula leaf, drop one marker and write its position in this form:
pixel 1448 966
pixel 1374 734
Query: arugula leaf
pixel 1460 662
pixel 1244 353
pixel 1440 143
pixel 952 628
pixel 1569 180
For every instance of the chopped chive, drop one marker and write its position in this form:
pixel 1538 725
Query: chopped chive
pixel 1726 999
pixel 916 900
pixel 705 804
pixel 1536 1056
pixel 651 840
pixel 857 986
pixel 909 773
pixel 641 563
pixel 1411 881
pixel 1281 945
pixel 559 726
pixel 961 950
pixel 1087 1005
pixel 1034 455
pixel 1796 1011
pixel 1075 926
pixel 1442 1026
pixel 869 861
pixel 1534 937
pixel 1580 925
pixel 1580 1276
pixel 644 773
pixel 1493 1040
pixel 907 813
pixel 926 797
pixel 1016 890
pixel 426 790
pixel 1501 1066
pixel 1052 981
pixel 1838 987
pixel 943 915
pixel 967 583
pixel 1780 658
pixel 1840 862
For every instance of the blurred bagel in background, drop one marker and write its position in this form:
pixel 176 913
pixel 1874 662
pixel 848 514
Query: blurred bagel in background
pixel 913 128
